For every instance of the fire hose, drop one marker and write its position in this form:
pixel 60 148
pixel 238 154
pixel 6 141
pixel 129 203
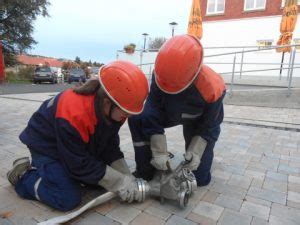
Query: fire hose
pixel 177 185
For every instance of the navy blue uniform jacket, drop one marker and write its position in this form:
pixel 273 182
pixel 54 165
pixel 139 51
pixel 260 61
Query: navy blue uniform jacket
pixel 199 107
pixel 66 128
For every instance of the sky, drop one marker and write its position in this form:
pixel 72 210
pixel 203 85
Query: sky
pixel 96 29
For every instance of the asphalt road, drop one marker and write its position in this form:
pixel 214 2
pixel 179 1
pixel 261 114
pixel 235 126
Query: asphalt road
pixel 33 88
pixel 263 96
pixel 47 87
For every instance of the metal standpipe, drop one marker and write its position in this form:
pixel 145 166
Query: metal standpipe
pixel 232 76
pixel 291 71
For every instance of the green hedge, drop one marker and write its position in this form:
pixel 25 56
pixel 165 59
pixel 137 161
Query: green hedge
pixel 10 76
pixel 24 74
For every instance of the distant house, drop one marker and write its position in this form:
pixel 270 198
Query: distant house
pixel 39 61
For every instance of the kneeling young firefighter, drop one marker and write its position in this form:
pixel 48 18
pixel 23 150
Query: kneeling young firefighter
pixel 183 91
pixel 73 139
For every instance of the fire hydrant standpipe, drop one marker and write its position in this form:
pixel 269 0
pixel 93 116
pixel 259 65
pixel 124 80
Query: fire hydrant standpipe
pixel 175 185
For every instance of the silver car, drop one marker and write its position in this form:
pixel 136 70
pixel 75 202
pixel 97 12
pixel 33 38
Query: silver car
pixel 44 74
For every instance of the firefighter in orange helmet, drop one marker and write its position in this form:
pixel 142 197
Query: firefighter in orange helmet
pixel 73 138
pixel 183 91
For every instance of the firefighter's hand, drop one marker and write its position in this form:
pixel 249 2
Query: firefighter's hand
pixel 160 161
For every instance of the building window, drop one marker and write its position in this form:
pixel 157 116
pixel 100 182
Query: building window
pixel 264 44
pixel 283 3
pixel 254 4
pixel 215 7
pixel 297 42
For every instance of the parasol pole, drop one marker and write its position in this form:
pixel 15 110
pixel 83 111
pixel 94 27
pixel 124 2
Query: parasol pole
pixel 282 59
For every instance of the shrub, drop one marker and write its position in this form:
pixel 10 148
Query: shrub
pixel 26 73
pixel 23 74
pixel 10 76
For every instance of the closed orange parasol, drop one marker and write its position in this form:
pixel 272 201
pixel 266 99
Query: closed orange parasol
pixel 287 25
pixel 195 20
pixel 2 72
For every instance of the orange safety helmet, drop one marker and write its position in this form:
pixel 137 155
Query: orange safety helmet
pixel 125 84
pixel 178 63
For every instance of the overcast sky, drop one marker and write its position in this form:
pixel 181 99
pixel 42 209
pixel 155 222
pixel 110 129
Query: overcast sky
pixel 96 29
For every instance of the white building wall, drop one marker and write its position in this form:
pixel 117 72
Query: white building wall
pixel 238 32
pixel 245 32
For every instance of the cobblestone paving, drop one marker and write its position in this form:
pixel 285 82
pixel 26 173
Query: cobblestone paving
pixel 256 176
pixel 280 118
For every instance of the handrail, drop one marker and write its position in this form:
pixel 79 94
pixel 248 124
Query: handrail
pixel 251 63
pixel 237 52
pixel 248 71
pixel 258 48
pixel 242 51
pixel 255 50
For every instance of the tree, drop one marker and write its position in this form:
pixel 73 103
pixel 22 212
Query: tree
pixel 77 60
pixel 16 25
pixel 96 64
pixel 68 65
pixel 157 42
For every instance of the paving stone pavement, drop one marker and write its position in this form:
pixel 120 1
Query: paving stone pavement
pixel 255 174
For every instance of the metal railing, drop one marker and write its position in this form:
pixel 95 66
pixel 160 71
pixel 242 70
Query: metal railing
pixel 238 66
pixel 290 68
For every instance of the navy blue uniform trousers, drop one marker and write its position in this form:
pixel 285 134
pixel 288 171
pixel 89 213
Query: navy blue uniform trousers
pixel 48 182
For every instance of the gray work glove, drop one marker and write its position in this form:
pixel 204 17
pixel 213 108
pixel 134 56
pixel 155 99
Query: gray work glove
pixel 194 152
pixel 124 185
pixel 160 156
pixel 121 166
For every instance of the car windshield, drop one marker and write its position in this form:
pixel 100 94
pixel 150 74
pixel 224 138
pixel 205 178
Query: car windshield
pixel 77 72
pixel 43 69
pixel 95 70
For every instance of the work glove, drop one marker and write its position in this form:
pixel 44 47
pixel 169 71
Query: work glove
pixel 121 166
pixel 160 156
pixel 124 185
pixel 194 152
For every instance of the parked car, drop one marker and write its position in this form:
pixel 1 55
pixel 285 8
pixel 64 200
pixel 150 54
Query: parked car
pixel 77 75
pixel 44 74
